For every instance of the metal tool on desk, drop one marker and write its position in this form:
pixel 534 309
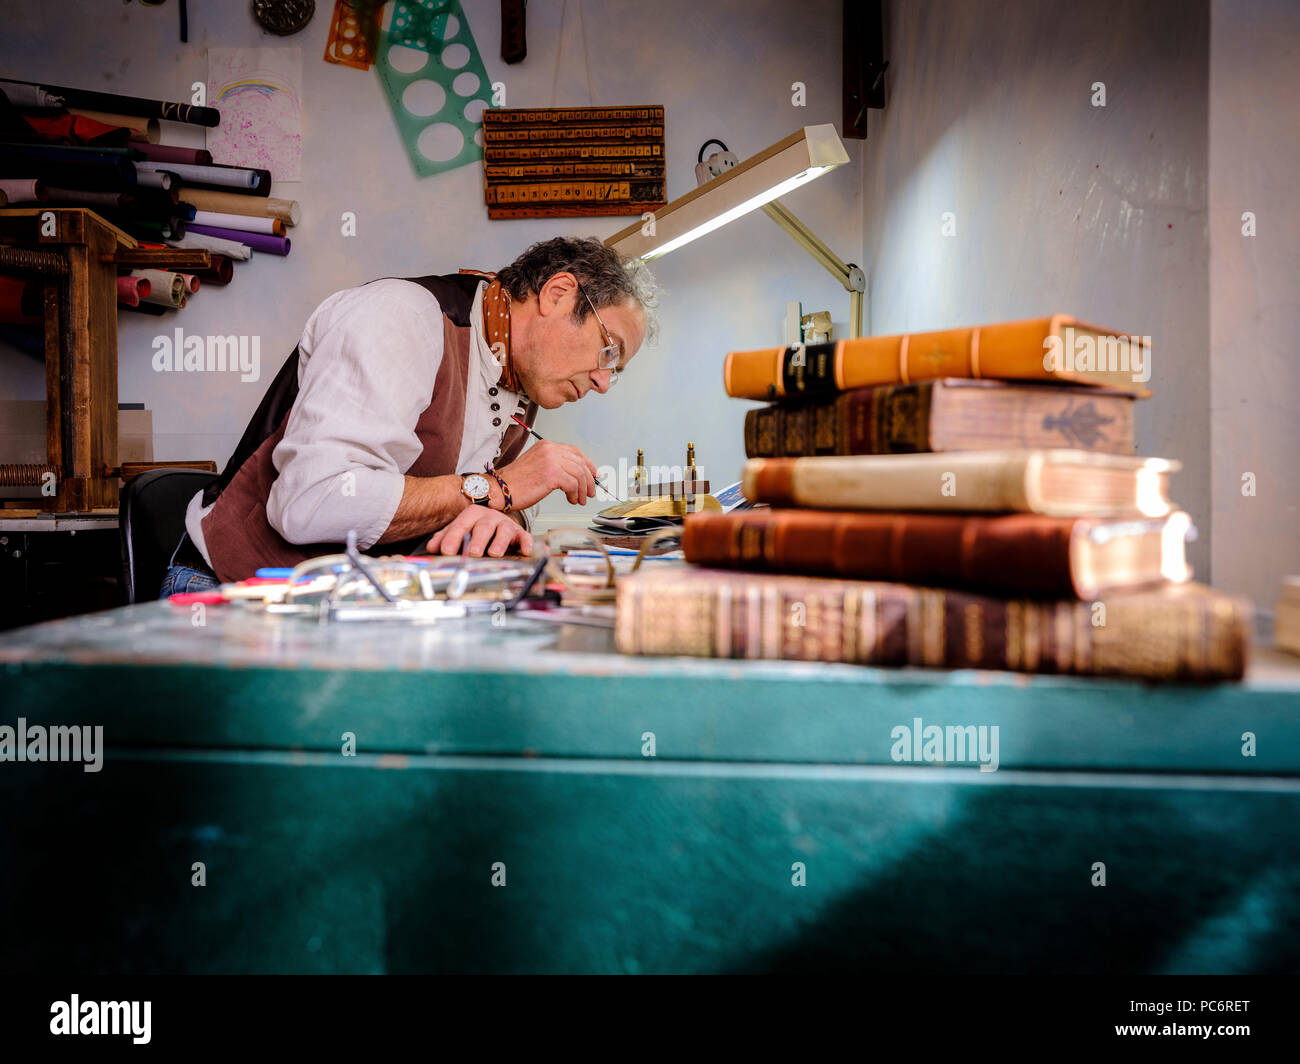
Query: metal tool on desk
pixel 352 587
pixel 664 499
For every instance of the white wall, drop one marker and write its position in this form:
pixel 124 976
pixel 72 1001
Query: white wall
pixel 1060 206
pixel 720 70
pixel 1254 310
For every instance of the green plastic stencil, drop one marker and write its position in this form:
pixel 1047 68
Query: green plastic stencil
pixel 418 23
pixel 436 84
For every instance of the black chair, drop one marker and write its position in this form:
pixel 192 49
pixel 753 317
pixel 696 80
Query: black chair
pixel 151 520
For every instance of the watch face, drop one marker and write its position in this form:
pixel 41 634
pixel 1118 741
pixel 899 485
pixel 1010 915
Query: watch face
pixel 476 486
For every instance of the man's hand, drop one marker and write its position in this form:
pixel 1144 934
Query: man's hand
pixel 546 467
pixel 490 531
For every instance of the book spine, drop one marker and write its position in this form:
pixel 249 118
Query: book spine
pixel 989 482
pixel 1198 638
pixel 1012 350
pixel 886 420
pixel 932 416
pixel 905 417
pixel 1017 554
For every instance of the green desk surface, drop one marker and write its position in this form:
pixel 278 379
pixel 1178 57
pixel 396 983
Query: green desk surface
pixel 534 688
pixel 522 746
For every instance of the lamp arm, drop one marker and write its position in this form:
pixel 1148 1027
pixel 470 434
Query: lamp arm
pixel 850 276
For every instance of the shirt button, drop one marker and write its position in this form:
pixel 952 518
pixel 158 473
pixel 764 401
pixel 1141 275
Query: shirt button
pixel 492 391
pixel 496 421
pixel 496 406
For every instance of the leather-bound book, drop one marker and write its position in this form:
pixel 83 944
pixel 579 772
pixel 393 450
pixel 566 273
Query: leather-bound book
pixel 1178 632
pixel 1015 554
pixel 953 414
pixel 1059 348
pixel 1056 483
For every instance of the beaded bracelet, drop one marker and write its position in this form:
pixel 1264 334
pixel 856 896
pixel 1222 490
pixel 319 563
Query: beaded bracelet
pixel 487 468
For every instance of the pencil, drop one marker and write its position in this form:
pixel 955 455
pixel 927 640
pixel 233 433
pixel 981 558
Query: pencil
pixel 537 435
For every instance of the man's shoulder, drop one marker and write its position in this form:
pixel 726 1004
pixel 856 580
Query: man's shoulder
pixel 380 300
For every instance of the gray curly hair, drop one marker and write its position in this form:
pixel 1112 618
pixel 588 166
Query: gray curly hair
pixel 607 278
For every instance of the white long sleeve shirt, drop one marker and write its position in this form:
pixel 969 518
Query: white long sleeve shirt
pixel 367 361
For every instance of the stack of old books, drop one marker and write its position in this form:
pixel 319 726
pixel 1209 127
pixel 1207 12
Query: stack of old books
pixel 961 499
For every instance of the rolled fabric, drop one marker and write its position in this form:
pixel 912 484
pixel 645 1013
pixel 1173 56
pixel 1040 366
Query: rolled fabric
pixel 274 245
pixel 208 199
pixel 20 301
pixel 232 249
pixel 142 129
pixel 23 189
pixel 131 289
pixel 165 287
pixel 171 153
pixel 226 176
pixel 191 282
pixel 245 223
pixel 219 273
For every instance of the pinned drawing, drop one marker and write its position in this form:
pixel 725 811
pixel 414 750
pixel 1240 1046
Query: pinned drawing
pixel 259 94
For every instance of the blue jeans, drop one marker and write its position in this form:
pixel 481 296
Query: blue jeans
pixel 181 578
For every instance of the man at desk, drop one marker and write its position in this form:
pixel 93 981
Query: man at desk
pixel 393 415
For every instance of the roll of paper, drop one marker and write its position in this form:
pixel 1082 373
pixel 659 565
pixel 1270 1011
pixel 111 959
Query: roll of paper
pixel 131 289
pixel 220 273
pixel 126 105
pixel 170 153
pixel 23 189
pixel 274 245
pixel 155 228
pixel 245 223
pixel 165 287
pixel 145 307
pixel 154 178
pixel 108 200
pixel 208 199
pixel 191 282
pixel 232 249
pixel 68 167
pixel 21 94
pixel 142 129
pixel 228 176
pixel 20 301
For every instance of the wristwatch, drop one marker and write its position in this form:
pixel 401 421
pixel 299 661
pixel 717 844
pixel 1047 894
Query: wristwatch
pixel 477 488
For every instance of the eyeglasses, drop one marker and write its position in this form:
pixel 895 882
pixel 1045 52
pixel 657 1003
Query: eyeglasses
pixel 607 357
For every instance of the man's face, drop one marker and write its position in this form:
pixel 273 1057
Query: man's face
pixel 563 367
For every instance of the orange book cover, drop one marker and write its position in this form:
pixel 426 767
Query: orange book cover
pixel 1058 348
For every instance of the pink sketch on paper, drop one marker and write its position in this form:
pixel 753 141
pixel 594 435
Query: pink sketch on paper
pixel 259 94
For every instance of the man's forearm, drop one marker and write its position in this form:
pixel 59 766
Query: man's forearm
pixel 427 504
